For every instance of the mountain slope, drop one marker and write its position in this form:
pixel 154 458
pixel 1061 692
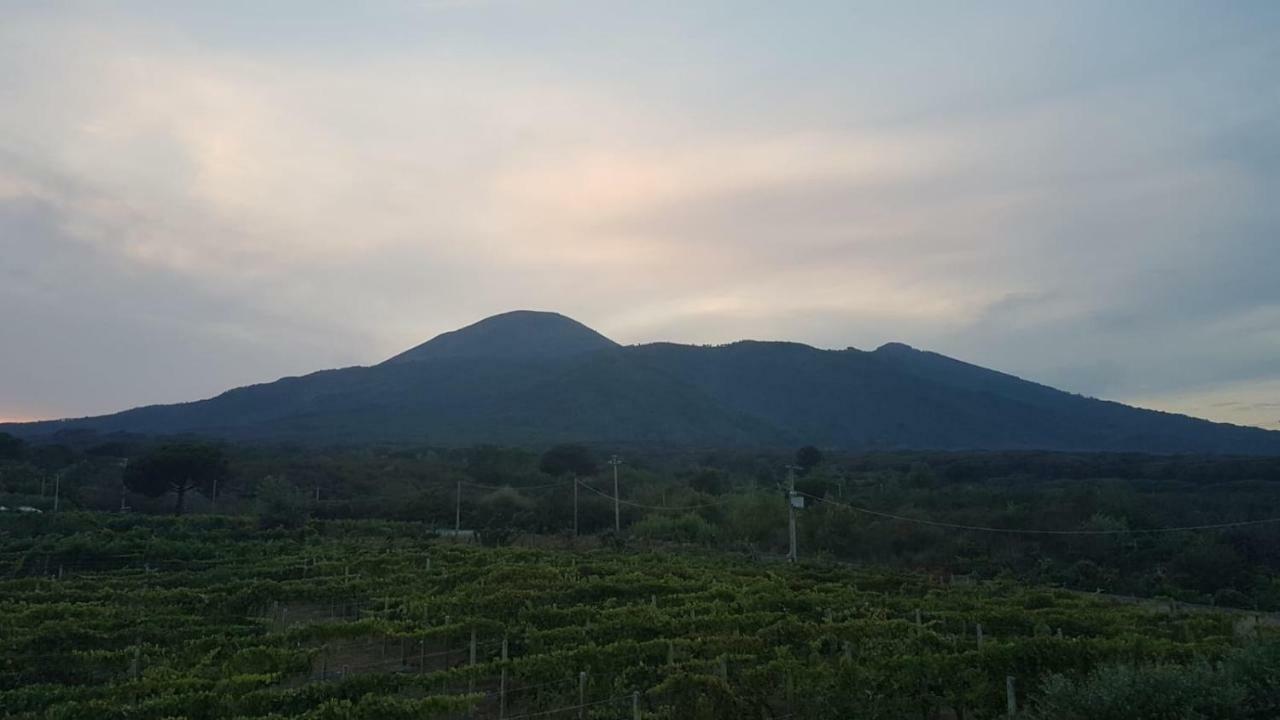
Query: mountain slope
pixel 537 378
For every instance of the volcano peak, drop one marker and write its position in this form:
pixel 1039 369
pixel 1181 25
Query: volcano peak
pixel 519 333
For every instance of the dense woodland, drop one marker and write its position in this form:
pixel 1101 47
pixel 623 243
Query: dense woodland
pixel 738 504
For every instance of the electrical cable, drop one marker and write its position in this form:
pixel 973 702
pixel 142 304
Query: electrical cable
pixel 1034 531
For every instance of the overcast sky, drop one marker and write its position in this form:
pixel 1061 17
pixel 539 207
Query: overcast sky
pixel 195 196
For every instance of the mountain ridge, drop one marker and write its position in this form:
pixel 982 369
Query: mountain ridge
pixel 532 378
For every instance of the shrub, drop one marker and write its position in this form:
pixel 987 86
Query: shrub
pixel 280 504
pixel 687 528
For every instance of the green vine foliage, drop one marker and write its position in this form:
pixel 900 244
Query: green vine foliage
pixel 208 618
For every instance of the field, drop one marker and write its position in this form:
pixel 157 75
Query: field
pixel 142 617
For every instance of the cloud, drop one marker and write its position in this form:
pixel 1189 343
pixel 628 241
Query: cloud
pixel 1254 402
pixel 189 203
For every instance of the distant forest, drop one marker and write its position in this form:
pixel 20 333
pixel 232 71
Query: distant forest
pixel 731 500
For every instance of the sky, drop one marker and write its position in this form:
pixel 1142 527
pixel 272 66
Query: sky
pixel 197 196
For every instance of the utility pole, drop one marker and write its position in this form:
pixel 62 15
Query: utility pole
pixel 457 510
pixel 575 506
pixel 57 486
pixel 617 513
pixel 124 467
pixel 792 500
pixel 213 499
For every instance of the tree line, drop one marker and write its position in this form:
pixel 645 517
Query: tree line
pixel 737 500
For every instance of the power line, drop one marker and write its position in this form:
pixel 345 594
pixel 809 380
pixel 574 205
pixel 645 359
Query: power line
pixel 561 483
pixel 1017 531
pixel 653 507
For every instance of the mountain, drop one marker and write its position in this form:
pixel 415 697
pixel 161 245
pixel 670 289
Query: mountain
pixel 534 378
pixel 520 333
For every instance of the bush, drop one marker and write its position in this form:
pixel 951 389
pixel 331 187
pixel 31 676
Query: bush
pixel 280 504
pixel 687 528
pixel 1155 692
pixel 1230 597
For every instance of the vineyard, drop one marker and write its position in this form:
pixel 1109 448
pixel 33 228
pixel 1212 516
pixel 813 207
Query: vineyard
pixel 121 616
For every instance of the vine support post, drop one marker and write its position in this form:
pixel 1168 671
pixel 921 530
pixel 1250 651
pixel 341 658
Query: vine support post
pixel 635 706
pixel 471 661
pixel 582 695
pixel 1010 696
pixel 502 682
pixel 979 634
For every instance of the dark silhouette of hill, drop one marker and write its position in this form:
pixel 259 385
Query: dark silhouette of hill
pixel 536 378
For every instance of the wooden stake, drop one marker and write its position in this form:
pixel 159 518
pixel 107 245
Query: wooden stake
pixel 471 683
pixel 502 682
